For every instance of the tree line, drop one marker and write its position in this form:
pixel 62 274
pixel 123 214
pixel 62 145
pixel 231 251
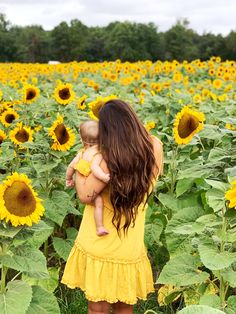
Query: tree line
pixel 126 41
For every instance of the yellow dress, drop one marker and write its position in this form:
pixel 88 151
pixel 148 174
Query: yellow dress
pixel 109 268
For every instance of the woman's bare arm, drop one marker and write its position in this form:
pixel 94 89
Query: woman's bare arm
pixel 158 153
pixel 97 170
pixel 87 188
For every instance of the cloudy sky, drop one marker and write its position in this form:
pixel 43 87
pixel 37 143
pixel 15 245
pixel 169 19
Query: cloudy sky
pixel 215 16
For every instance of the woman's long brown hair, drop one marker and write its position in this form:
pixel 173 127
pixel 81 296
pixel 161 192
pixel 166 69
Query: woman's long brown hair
pixel 128 151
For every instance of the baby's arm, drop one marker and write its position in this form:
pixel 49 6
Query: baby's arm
pixel 70 171
pixel 97 170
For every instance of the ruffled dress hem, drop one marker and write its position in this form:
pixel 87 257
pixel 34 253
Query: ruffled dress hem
pixel 109 280
pixel 90 298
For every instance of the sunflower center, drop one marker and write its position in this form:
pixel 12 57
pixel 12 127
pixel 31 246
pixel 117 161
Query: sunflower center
pixel 64 93
pixel 9 118
pixel 30 94
pixel 22 136
pixel 61 134
pixel 19 199
pixel 1 140
pixel 187 125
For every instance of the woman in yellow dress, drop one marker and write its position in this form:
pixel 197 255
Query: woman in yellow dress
pixel 114 271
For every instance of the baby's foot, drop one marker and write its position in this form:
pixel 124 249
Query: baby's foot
pixel 101 231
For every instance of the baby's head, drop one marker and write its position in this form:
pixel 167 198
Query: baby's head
pixel 89 132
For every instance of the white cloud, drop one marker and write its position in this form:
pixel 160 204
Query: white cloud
pixel 214 16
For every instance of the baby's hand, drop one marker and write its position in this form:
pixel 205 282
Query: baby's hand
pixel 70 183
pixel 107 178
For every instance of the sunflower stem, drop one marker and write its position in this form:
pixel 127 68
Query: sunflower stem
pixel 17 275
pixel 200 141
pixel 3 270
pixel 173 170
pixel 3 278
pixel 223 285
pixel 46 249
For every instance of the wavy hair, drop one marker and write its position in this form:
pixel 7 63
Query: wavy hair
pixel 128 151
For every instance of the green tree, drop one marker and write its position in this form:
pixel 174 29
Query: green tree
pixel 181 42
pixel 231 46
pixel 133 41
pixel 118 40
pixel 79 35
pixel 95 45
pixel 31 43
pixel 211 45
pixel 61 42
pixel 5 41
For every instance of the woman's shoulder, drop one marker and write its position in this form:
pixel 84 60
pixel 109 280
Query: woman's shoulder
pixel 156 139
pixel 157 144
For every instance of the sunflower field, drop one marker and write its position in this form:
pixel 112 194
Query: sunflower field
pixel 190 230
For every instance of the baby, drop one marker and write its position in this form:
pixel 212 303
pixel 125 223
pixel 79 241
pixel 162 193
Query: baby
pixel 88 160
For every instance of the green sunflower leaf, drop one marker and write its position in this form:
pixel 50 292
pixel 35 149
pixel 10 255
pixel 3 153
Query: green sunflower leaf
pixel 16 299
pixel 58 206
pixel 231 305
pixel 43 302
pixel 182 270
pixel 213 259
pixel 25 258
pixel 49 284
pixel 200 309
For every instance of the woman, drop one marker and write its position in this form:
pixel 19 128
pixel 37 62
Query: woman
pixel 114 270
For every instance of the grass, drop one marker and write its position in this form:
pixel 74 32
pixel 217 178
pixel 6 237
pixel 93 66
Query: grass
pixel 74 302
pixel 71 301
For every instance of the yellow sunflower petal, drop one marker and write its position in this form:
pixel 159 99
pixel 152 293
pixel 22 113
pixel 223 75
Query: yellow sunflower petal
pixel 231 195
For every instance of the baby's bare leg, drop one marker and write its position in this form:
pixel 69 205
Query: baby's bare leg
pixel 98 216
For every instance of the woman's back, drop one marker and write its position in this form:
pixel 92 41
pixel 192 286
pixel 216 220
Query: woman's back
pixel 123 247
pixel 115 268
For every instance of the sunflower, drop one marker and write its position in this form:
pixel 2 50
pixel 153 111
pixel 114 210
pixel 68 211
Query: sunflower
pixel 96 105
pixel 21 134
pixel 150 125
pixel 217 83
pixel 229 126
pixel 8 116
pixel 63 136
pixel 19 203
pixel 30 93
pixel 4 105
pixel 81 102
pixel 2 136
pixel 177 76
pixel 231 195
pixel 64 93
pixel 211 72
pixel 197 98
pixel 187 123
pixel 157 87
